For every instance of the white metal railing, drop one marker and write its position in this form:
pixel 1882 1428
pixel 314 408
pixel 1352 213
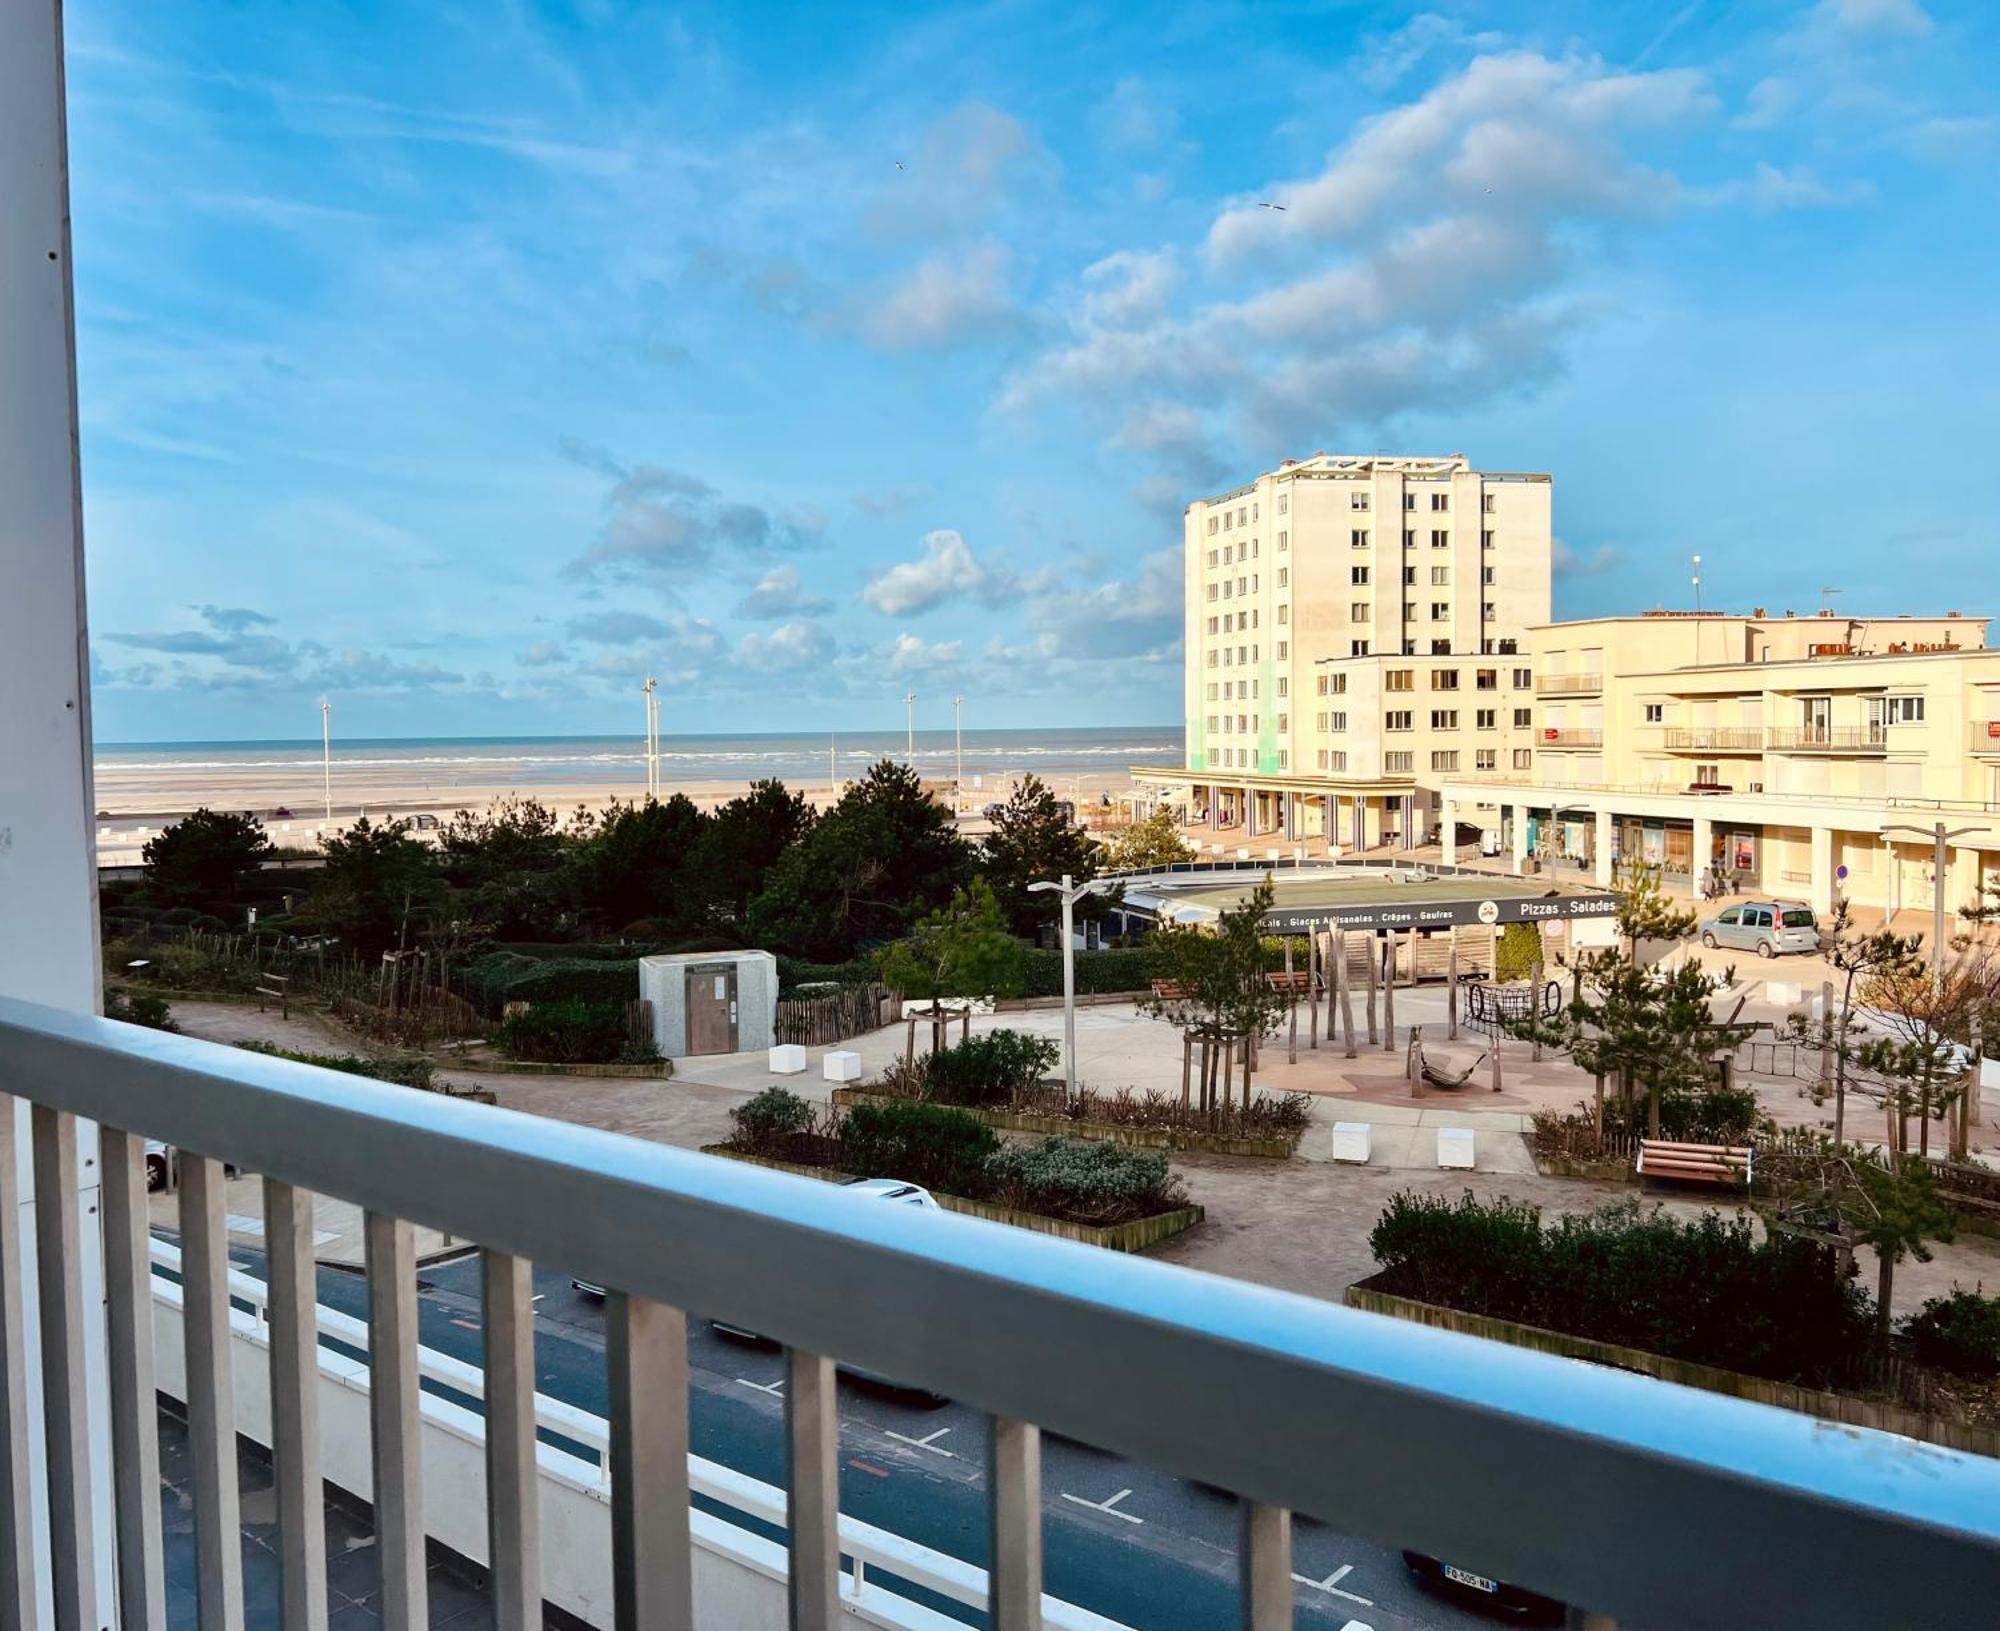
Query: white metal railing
pixel 1579 1481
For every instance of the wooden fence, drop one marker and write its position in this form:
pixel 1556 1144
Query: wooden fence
pixel 815 1021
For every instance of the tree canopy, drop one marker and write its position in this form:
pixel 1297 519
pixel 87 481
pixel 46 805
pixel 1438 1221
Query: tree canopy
pixel 204 859
pixel 1034 839
pixel 1154 842
pixel 963 949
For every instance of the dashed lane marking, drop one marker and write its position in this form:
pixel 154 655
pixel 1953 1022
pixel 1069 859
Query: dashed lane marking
pixel 928 1442
pixel 775 1389
pixel 1109 1507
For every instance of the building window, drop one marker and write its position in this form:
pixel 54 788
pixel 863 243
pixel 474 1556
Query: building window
pixel 1486 502
pixel 1440 501
pixel 1211 659
pixel 1440 576
pixel 1409 501
pixel 1524 758
pixel 1253 618
pixel 1444 761
pixel 1444 679
pixel 1357 574
pixel 1444 719
pixel 1284 759
pixel 1487 719
pixel 1337 720
pixel 1284 541
pixel 1357 648
pixel 1523 678
pixel 1211 691
pixel 1211 557
pixel 1486 538
pixel 1357 538
pixel 1284 649
pixel 1211 526
pixel 1409 611
pixel 1253 583
pixel 1357 501
pixel 1284 576
pixel 1211 625
pixel 1486 759
pixel 1253 512
pixel 1284 501
pixel 1487 679
pixel 1284 723
pixel 1398 764
pixel 1440 611
pixel 1409 537
pixel 1488 612
pixel 1243 516
pixel 1399 719
pixel 1253 549
pixel 1524 719
pixel 1400 679
pixel 1228 519
pixel 1357 612
pixel 1440 648
pixel 1211 591
pixel 1906 710
pixel 1284 614
pixel 1440 538
pixel 1486 575
pixel 1656 713
pixel 1409 576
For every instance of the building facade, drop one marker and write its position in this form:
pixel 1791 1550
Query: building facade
pixel 1355 633
pixel 1787 752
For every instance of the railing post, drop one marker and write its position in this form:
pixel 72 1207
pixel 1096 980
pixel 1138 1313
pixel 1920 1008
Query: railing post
pixel 1014 1568
pixel 291 1312
pixel 135 1408
pixel 812 1490
pixel 514 1555
pixel 652 1564
pixel 19 1590
pixel 395 1410
pixel 211 1395
pixel 1264 1566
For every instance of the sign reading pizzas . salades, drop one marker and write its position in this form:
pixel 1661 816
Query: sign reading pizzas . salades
pixel 1438 914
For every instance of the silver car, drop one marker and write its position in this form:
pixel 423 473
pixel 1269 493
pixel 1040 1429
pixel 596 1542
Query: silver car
pixel 1767 927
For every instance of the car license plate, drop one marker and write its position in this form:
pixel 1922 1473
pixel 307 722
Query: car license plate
pixel 1465 1577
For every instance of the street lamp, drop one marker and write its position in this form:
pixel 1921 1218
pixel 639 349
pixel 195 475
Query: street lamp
pixel 1071 893
pixel 1940 837
pixel 958 755
pixel 910 728
pixel 326 753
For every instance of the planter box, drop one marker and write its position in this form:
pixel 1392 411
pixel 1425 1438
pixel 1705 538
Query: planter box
pixel 1134 1236
pixel 1150 1138
pixel 659 1070
pixel 1836 1407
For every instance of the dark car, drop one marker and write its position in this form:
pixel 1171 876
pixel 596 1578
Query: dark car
pixel 1479 1591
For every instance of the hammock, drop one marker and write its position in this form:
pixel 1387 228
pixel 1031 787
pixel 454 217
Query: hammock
pixel 1444 1078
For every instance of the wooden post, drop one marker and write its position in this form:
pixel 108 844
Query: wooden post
pixel 1374 973
pixel 1451 988
pixel 1389 993
pixel 1967 1099
pixel 1826 1039
pixel 1343 987
pixel 1535 997
pixel 1187 1067
pixel 1228 1076
pixel 1493 1053
pixel 1292 1033
pixel 1315 967
pixel 1413 1053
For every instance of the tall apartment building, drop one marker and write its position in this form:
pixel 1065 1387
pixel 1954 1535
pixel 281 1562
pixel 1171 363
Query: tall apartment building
pixel 1355 633
pixel 1790 751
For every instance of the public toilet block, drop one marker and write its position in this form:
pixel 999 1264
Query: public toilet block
pixel 711 1001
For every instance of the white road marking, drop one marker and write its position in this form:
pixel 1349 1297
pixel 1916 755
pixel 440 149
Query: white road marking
pixel 1109 1507
pixel 240 1223
pixel 775 1389
pixel 929 1443
pixel 1356 1625
pixel 1331 1586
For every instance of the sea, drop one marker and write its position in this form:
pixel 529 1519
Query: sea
pixel 442 762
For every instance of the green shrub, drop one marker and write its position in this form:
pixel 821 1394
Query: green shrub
pixel 1958 1333
pixel 1084 1180
pixel 1514 955
pixel 767 1121
pixel 146 1008
pixel 988 1070
pixel 1717 1116
pixel 411 1070
pixel 1707 1290
pixel 174 965
pixel 566 1032
pixel 493 980
pixel 929 1144
pixel 793 973
pixel 1098 973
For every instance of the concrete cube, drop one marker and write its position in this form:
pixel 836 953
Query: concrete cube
pixel 841 1066
pixel 1455 1147
pixel 788 1059
pixel 1351 1141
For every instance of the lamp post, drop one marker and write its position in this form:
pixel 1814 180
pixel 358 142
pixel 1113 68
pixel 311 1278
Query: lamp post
pixel 1071 893
pixel 958 755
pixel 651 690
pixel 1940 836
pixel 326 753
pixel 910 728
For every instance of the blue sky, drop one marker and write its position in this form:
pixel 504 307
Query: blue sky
pixel 467 362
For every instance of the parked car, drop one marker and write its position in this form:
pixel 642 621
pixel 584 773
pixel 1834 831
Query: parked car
pixel 1481 1592
pixel 1767 927
pixel 886 1189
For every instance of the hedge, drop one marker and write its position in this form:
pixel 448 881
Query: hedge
pixel 1098 973
pixel 500 977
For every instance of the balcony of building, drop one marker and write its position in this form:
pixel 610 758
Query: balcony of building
pixel 1714 739
pixel 1568 685
pixel 1983 737
pixel 1827 739
pixel 1571 736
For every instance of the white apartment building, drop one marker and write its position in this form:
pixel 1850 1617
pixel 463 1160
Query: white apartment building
pixel 1356 633
pixel 1791 752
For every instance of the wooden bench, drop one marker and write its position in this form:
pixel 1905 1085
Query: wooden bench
pixel 1297 980
pixel 1695 1163
pixel 1169 991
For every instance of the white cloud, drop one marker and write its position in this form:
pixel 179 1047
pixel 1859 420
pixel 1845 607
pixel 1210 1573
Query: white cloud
pixel 1570 562
pixel 1769 101
pixel 963 166
pixel 778 594
pixel 1132 119
pixel 542 654
pixel 1900 18
pixel 1952 140
pixel 909 654
pixel 945 299
pixel 1129 287
pixel 1770 188
pixel 788 647
pixel 948 570
pixel 1386 58
pixel 616 628
pixel 666 524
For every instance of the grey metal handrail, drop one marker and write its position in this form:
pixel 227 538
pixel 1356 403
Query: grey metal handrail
pixel 1579 1481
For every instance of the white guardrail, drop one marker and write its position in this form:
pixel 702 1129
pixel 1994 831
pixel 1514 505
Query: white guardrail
pixel 739 1575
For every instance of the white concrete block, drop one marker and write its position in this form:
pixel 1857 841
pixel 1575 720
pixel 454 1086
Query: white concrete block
pixel 841 1066
pixel 1785 992
pixel 788 1059
pixel 1351 1141
pixel 1455 1147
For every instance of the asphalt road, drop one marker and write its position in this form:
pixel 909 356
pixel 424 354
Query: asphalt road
pixel 1122 1540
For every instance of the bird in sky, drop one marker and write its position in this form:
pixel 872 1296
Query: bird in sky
pixel 899 165
pixel 1264 206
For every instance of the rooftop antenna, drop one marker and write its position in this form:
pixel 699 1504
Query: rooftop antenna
pixel 1697 586
pixel 1826 594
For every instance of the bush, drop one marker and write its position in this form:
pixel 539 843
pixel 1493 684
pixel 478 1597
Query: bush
pixel 147 1008
pixel 794 972
pixel 174 965
pixel 492 981
pixel 1958 1333
pixel 1514 955
pixel 566 1032
pixel 1098 973
pixel 1084 1180
pixel 766 1122
pixel 988 1070
pixel 406 1071
pixel 1707 1290
pixel 929 1144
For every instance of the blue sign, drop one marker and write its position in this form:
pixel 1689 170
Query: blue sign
pixel 1840 872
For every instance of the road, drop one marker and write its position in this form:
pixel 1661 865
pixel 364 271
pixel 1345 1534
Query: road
pixel 1122 1540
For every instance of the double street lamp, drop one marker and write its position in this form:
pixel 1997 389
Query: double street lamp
pixel 1071 893
pixel 1940 836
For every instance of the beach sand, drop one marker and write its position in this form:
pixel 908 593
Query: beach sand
pixel 133 806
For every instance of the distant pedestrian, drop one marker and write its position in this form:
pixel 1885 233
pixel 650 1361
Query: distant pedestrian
pixel 1707 883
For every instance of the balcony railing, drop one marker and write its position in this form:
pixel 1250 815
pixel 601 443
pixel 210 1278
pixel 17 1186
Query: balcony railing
pixel 1985 736
pixel 1567 685
pixel 1444 1443
pixel 1715 738
pixel 1564 736
pixel 1828 738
